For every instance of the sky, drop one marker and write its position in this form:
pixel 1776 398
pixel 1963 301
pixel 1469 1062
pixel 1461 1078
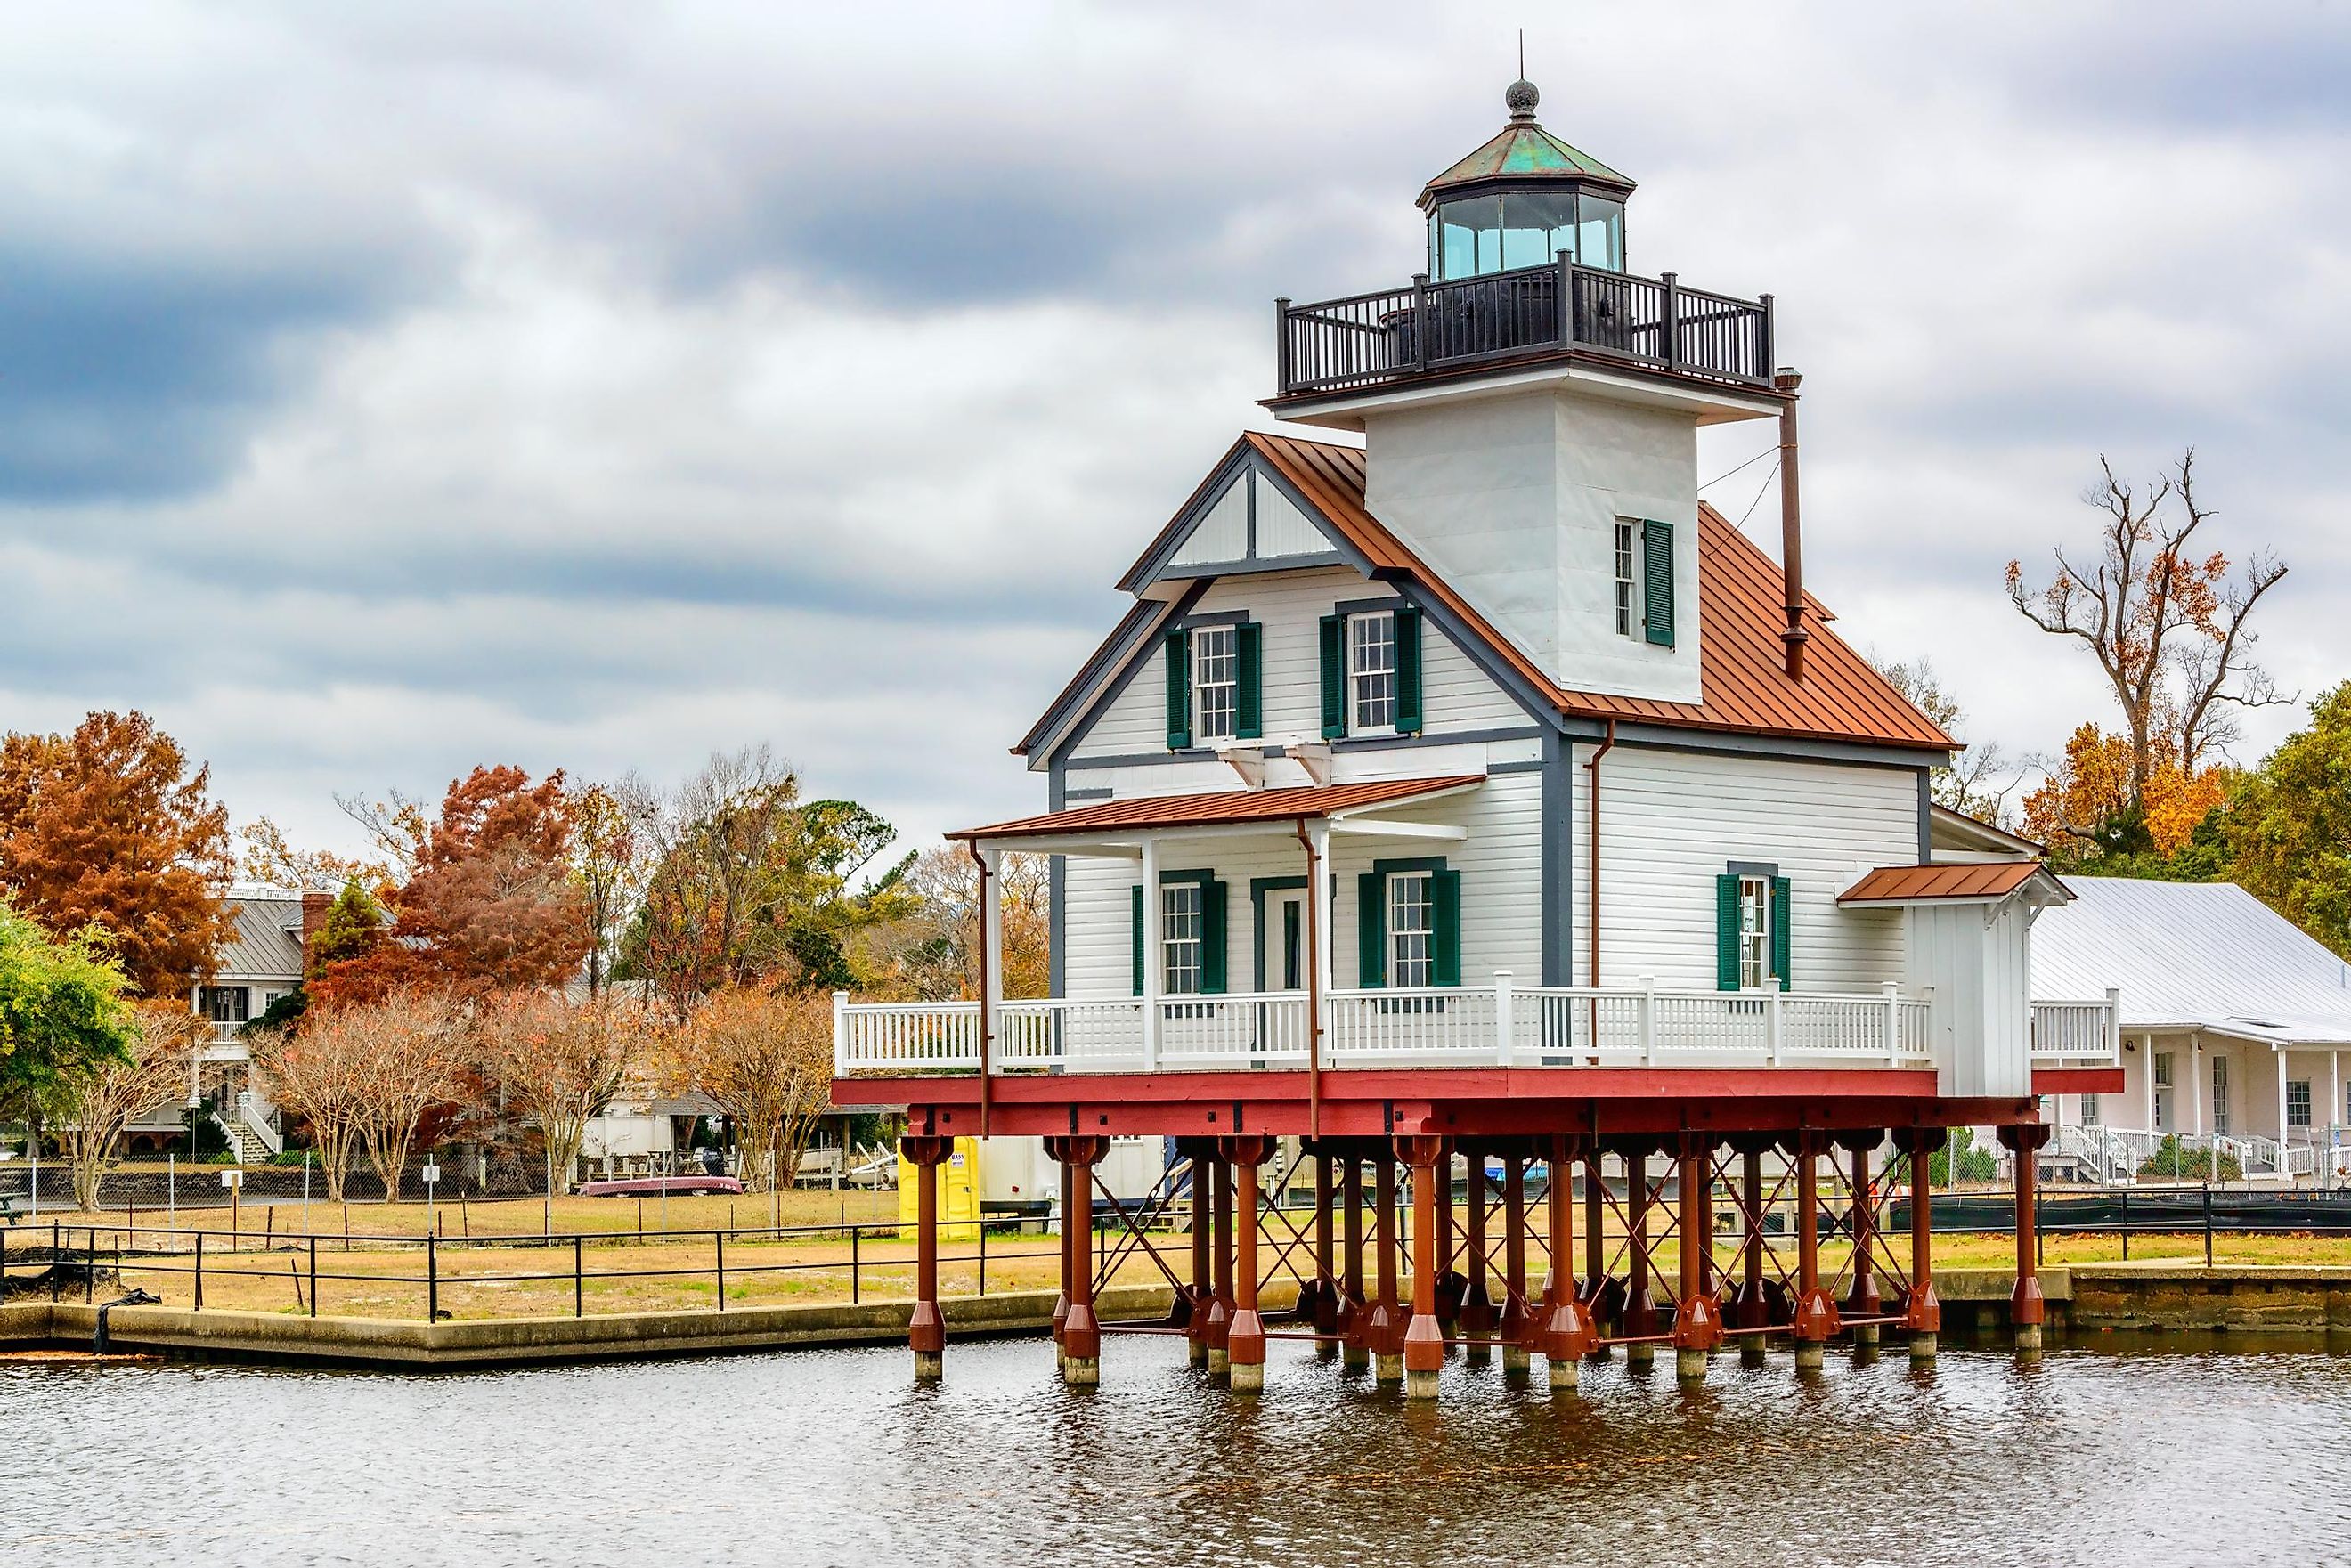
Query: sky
pixel 387 389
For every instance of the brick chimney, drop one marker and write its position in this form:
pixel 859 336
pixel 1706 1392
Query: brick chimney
pixel 314 914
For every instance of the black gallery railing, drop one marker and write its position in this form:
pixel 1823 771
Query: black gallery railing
pixel 1367 340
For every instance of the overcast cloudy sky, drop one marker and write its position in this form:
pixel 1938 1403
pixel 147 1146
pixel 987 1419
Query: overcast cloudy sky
pixel 387 387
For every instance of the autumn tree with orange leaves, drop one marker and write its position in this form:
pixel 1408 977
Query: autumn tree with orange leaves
pixel 2170 631
pixel 490 902
pixel 111 826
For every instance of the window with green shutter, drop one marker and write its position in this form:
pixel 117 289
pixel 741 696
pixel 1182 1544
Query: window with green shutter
pixel 1192 933
pixel 1658 582
pixel 1751 930
pixel 1179 690
pixel 1334 677
pixel 1408 924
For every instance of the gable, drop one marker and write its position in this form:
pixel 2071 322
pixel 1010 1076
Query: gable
pixel 1244 517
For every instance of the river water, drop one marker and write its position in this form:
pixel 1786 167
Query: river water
pixel 2138 1456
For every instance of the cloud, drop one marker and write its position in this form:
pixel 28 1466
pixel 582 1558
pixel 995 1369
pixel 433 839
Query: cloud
pixel 387 390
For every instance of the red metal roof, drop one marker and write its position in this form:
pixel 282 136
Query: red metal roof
pixel 1744 683
pixel 1921 884
pixel 1307 801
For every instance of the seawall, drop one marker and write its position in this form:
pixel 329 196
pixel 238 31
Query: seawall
pixel 2162 1298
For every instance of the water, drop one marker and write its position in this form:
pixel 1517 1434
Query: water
pixel 2144 1457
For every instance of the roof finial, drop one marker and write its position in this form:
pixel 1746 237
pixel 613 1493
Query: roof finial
pixel 1522 95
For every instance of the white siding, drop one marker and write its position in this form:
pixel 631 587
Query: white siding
pixel 1983 1022
pixel 1281 529
pixel 1670 822
pixel 1222 533
pixel 1456 695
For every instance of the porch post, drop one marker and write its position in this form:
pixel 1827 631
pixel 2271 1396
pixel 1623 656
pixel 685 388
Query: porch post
pixel 1382 1332
pixel 1081 1331
pixel 2026 1309
pixel 991 972
pixel 1057 1150
pixel 1423 1338
pixel 1220 1306
pixel 1516 1325
pixel 926 1332
pixel 1153 948
pixel 2281 1104
pixel 1923 1313
pixel 1245 1336
pixel 2190 1089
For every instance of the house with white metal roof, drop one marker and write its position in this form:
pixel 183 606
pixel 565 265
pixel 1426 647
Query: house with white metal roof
pixel 2234 1024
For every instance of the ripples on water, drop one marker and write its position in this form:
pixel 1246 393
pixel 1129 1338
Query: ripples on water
pixel 2137 1458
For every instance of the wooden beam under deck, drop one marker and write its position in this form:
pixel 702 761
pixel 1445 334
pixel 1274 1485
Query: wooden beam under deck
pixel 1454 1102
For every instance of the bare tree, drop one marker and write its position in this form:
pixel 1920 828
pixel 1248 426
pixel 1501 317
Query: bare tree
pixel 613 837
pixel 415 1047
pixel 718 872
pixel 560 1063
pixel 933 952
pixel 93 1103
pixel 319 1074
pixel 765 1059
pixel 1972 784
pixel 2170 630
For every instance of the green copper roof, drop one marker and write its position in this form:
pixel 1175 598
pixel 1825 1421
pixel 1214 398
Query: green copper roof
pixel 1523 150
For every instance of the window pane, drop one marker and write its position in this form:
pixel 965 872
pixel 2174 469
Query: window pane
pixel 1628 584
pixel 2297 1103
pixel 1536 227
pixel 1600 234
pixel 1754 933
pixel 1214 683
pixel 1410 960
pixel 1372 670
pixel 1179 906
pixel 1470 236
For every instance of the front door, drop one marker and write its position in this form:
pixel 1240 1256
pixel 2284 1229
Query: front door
pixel 1284 940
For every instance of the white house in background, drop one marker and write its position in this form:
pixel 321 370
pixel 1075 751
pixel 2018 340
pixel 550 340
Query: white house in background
pixel 261 962
pixel 2235 1024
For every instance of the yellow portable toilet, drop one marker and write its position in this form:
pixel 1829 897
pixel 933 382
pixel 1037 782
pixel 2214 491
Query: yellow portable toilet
pixel 959 1188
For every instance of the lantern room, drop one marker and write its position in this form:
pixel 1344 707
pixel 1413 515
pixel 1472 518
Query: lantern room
pixel 1524 199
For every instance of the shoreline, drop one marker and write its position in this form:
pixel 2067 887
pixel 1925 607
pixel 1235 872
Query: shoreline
pixel 2155 1297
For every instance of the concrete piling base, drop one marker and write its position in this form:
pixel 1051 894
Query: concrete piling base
pixel 1248 1377
pixel 1477 1354
pixel 1197 1354
pixel 1565 1373
pixel 1219 1364
pixel 1081 1374
pixel 930 1365
pixel 1420 1384
pixel 1640 1357
pixel 1810 1355
pixel 2028 1338
pixel 1354 1357
pixel 1865 1353
pixel 1753 1351
pixel 1922 1347
pixel 1388 1368
pixel 1690 1363
pixel 1865 1333
pixel 1516 1361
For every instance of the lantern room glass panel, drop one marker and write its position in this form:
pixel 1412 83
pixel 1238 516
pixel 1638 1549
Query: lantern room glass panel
pixel 1600 233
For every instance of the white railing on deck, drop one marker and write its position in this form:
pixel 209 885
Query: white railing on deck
pixel 1482 1026
pixel 2077 1034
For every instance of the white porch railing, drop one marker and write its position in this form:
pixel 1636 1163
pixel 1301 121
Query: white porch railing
pixel 253 1111
pixel 1496 1025
pixel 2077 1034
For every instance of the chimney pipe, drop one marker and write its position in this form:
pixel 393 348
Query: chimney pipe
pixel 1792 531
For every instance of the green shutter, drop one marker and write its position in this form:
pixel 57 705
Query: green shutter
pixel 1780 945
pixel 1334 677
pixel 1212 937
pixel 1408 652
pixel 1445 926
pixel 1658 582
pixel 1726 933
pixel 1137 891
pixel 1249 720
pixel 1370 930
pixel 1179 690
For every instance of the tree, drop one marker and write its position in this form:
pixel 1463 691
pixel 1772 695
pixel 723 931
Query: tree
pixel 353 927
pixel 107 826
pixel 560 1063
pixel 2289 825
pixel 270 858
pixel 94 1099
pixel 2170 631
pixel 1971 784
pixel 932 953
pixel 2086 812
pixel 415 1048
pixel 765 1058
pixel 489 903
pixel 319 1074
pixel 610 844
pixel 62 1009
pixel 749 885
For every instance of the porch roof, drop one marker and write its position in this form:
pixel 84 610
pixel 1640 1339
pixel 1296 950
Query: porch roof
pixel 1959 884
pixel 1226 807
